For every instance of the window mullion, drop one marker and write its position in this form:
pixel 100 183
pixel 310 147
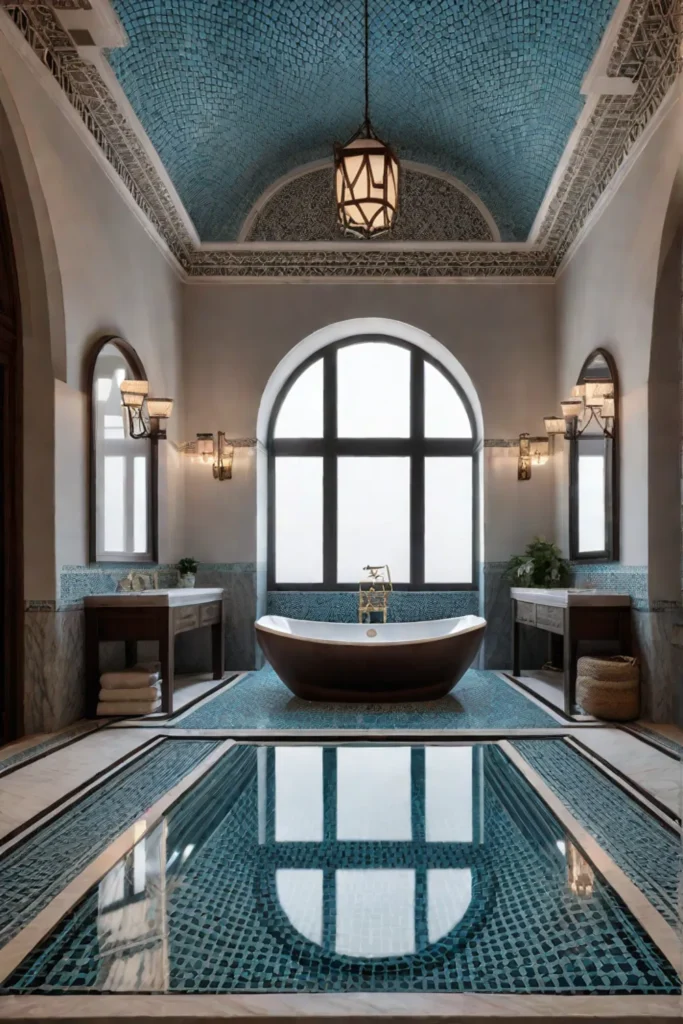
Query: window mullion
pixel 330 469
pixel 417 471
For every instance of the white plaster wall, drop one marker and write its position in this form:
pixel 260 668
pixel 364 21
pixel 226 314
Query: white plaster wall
pixel 605 298
pixel 235 334
pixel 114 279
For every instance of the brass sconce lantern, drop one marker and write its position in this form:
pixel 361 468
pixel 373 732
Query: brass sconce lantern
pixel 219 452
pixel 145 414
pixel 366 175
pixel 524 461
pixel 533 451
pixel 222 466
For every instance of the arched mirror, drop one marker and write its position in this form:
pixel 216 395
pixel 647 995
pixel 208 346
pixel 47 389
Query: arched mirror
pixel 123 470
pixel 593 464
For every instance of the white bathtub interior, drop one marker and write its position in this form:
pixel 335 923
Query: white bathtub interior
pixel 370 633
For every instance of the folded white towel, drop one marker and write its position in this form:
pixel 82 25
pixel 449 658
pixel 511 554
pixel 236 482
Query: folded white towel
pixel 111 708
pixel 128 679
pixel 139 693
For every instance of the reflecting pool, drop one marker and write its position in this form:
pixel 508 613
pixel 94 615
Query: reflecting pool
pixel 352 868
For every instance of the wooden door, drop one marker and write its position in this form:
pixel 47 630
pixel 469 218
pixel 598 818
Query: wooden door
pixel 11 547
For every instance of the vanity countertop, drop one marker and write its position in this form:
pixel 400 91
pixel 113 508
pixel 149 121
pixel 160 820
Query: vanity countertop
pixel 565 598
pixel 175 598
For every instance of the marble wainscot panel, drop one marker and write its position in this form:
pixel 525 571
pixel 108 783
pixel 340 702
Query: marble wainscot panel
pixel 54 672
pixel 661 663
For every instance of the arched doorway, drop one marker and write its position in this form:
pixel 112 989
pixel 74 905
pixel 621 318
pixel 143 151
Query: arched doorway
pixel 11 547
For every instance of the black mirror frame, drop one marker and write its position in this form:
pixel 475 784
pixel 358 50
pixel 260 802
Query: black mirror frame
pixel 612 506
pixel 138 370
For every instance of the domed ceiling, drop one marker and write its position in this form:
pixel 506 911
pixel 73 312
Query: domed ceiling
pixel 235 94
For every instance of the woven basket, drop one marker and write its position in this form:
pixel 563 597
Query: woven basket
pixel 609 688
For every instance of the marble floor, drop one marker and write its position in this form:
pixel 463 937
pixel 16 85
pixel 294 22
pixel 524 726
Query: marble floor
pixel 58 773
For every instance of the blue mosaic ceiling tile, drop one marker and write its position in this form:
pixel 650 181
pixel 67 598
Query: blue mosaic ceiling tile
pixel 236 93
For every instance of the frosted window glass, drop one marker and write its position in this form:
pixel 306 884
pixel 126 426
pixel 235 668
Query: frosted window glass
pixel 298 519
pixel 300 894
pixel 298 794
pixel 373 390
pixel 375 912
pixel 449 894
pixel 448 794
pixel 103 388
pixel 113 428
pixel 373 794
pixel 114 497
pixel 140 504
pixel 445 413
pixel 301 413
pixel 373 525
pixel 448 520
pixel 592 503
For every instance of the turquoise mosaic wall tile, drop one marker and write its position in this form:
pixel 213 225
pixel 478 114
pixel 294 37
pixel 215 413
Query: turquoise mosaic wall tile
pixel 648 852
pixel 235 94
pixel 626 579
pixel 342 605
pixel 79 581
pixel 32 873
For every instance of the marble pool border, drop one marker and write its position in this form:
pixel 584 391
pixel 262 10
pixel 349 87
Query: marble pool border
pixel 455 1008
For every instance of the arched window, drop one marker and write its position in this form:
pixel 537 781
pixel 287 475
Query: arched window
pixel 371 461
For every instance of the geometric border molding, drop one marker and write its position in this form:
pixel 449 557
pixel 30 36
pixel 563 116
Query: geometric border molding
pixel 646 51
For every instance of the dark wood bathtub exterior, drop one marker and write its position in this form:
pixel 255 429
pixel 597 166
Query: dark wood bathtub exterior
pixel 366 672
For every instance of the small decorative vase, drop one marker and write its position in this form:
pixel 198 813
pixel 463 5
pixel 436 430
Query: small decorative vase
pixel 186 580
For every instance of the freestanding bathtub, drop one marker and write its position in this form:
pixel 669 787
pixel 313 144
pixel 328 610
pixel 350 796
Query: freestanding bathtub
pixel 378 662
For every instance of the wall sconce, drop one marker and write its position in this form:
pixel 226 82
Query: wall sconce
pixel 592 401
pixel 524 461
pixel 145 414
pixel 220 452
pixel 222 466
pixel 533 451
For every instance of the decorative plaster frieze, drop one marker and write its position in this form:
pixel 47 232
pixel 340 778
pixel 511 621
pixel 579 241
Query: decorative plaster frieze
pixel 376 263
pixel 646 51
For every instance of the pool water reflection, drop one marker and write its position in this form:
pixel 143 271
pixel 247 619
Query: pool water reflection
pixel 352 868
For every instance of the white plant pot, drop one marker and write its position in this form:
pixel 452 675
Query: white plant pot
pixel 187 581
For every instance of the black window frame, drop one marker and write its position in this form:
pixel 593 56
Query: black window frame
pixel 329 447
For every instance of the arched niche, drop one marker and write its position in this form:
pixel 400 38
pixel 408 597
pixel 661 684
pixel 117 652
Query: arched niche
pixel 123 479
pixel 594 465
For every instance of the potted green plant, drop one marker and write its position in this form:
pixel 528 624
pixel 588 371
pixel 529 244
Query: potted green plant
pixel 187 570
pixel 542 565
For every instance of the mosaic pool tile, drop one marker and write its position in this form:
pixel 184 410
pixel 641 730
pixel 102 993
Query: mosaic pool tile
pixel 342 605
pixel 243 887
pixel 481 700
pixel 34 871
pixel 497 79
pixel 648 852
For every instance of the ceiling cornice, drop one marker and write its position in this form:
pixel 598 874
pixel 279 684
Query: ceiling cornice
pixel 645 51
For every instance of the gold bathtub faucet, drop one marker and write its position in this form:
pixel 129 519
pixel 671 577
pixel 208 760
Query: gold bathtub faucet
pixel 373 592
